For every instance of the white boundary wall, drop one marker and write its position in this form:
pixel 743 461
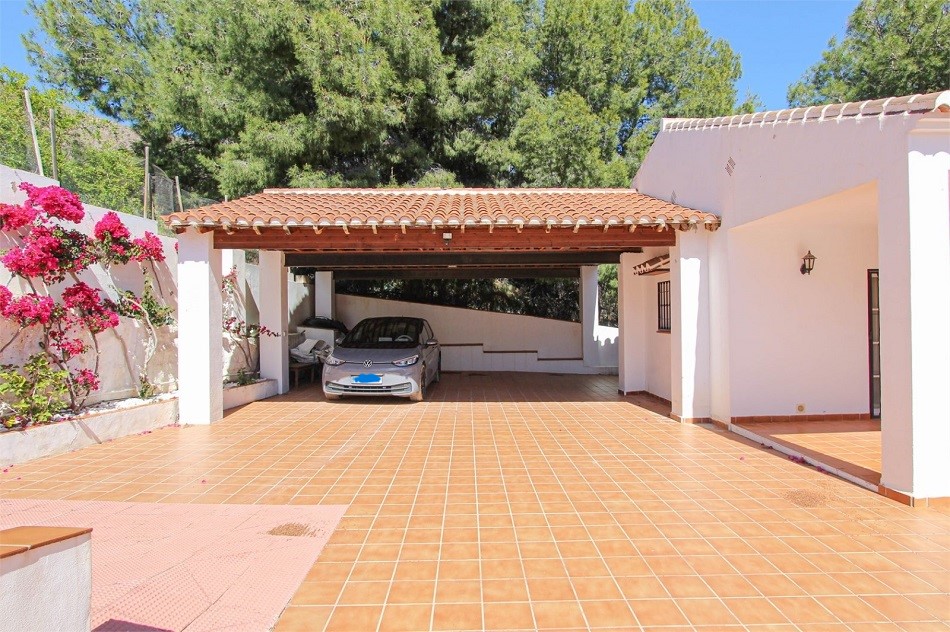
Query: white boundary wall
pixel 121 347
pixel 489 338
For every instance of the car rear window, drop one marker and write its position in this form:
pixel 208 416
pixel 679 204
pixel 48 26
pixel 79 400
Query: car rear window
pixel 384 333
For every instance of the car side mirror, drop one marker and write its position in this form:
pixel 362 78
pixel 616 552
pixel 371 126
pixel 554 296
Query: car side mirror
pixel 432 342
pixel 338 340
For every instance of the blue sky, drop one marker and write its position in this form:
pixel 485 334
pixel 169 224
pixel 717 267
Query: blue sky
pixel 777 39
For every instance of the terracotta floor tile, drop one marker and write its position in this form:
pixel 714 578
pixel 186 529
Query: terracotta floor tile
pixel 348 618
pixel 463 591
pixel 457 617
pixel 558 614
pixel 706 612
pixel 901 609
pixel 541 490
pixel 412 592
pixel 609 614
pixel 508 616
pixel 658 612
pixel 405 618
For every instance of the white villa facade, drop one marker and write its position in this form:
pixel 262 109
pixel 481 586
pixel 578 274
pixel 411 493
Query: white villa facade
pixel 862 186
pixel 727 210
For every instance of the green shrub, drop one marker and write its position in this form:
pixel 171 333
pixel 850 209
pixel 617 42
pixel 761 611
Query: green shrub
pixel 32 394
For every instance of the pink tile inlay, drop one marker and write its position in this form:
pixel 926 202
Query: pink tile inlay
pixel 188 567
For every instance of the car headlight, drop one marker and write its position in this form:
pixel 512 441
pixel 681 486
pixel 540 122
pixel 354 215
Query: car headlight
pixel 331 361
pixel 407 361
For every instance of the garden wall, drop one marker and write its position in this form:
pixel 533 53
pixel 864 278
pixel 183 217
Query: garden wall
pixel 120 348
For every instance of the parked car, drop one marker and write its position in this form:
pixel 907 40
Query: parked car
pixel 384 356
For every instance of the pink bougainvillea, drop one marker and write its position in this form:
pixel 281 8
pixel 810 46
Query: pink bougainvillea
pixel 89 308
pixel 110 227
pixel 27 310
pixel 54 201
pixel 13 216
pixel 48 251
pixel 86 379
pixel 149 246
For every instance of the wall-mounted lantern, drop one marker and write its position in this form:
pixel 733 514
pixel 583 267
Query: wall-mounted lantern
pixel 808 263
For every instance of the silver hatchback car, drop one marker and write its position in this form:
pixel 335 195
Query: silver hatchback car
pixel 384 356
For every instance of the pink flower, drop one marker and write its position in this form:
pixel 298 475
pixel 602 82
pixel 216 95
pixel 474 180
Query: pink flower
pixel 81 296
pixel 69 347
pixel 54 201
pixel 86 379
pixel 148 247
pixel 49 252
pixel 13 217
pixel 27 310
pixel 111 227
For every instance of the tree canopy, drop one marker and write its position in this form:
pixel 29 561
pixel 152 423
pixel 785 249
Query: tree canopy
pixel 96 158
pixel 243 95
pixel 891 48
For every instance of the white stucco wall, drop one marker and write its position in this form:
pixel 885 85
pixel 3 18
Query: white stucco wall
pixel 803 339
pixel 657 354
pixel 48 588
pixel 547 344
pixel 812 181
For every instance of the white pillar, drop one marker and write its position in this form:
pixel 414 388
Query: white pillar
pixel 589 290
pixel 689 343
pixel 200 351
pixel 275 362
pixel 914 259
pixel 632 342
pixel 323 294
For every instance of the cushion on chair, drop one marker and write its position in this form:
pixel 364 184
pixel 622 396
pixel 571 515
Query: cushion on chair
pixel 304 352
pixel 306 346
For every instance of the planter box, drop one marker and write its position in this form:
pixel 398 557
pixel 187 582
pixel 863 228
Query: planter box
pixel 240 395
pixel 18 446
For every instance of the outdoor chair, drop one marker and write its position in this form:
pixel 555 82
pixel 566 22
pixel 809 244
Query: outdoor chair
pixel 310 351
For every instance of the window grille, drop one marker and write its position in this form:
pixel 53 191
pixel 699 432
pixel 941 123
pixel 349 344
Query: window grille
pixel 663 305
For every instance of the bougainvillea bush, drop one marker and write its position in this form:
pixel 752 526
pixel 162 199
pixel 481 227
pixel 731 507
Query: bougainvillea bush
pixel 52 254
pixel 241 333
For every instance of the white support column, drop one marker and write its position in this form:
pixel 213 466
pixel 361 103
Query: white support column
pixel 323 294
pixel 200 352
pixel 589 316
pixel 689 345
pixel 914 259
pixel 631 307
pixel 275 361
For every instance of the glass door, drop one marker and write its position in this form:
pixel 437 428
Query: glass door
pixel 874 342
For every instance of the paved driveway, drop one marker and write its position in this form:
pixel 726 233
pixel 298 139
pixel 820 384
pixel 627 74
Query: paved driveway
pixel 534 501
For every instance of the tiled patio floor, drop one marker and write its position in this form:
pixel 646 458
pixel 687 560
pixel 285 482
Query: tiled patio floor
pixel 534 501
pixel 852 446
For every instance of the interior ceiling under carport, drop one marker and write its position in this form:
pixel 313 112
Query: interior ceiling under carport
pixel 452 233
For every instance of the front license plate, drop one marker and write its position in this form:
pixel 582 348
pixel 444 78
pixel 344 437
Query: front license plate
pixel 367 378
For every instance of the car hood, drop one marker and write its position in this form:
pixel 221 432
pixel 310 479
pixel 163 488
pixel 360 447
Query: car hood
pixel 380 356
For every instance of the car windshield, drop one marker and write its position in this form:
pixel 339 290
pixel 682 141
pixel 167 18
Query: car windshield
pixel 384 333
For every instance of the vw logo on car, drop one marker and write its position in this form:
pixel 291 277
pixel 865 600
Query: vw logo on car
pixel 368 363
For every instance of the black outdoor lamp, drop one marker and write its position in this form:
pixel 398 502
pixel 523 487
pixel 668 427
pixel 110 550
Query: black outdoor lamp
pixel 808 263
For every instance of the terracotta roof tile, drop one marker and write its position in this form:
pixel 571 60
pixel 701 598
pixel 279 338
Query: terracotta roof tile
pixel 443 207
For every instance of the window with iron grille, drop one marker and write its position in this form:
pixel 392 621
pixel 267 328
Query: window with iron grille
pixel 663 305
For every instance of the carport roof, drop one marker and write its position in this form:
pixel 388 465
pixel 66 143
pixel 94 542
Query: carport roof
pixel 397 208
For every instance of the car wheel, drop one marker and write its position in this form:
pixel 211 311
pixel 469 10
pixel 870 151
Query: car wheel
pixel 420 395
